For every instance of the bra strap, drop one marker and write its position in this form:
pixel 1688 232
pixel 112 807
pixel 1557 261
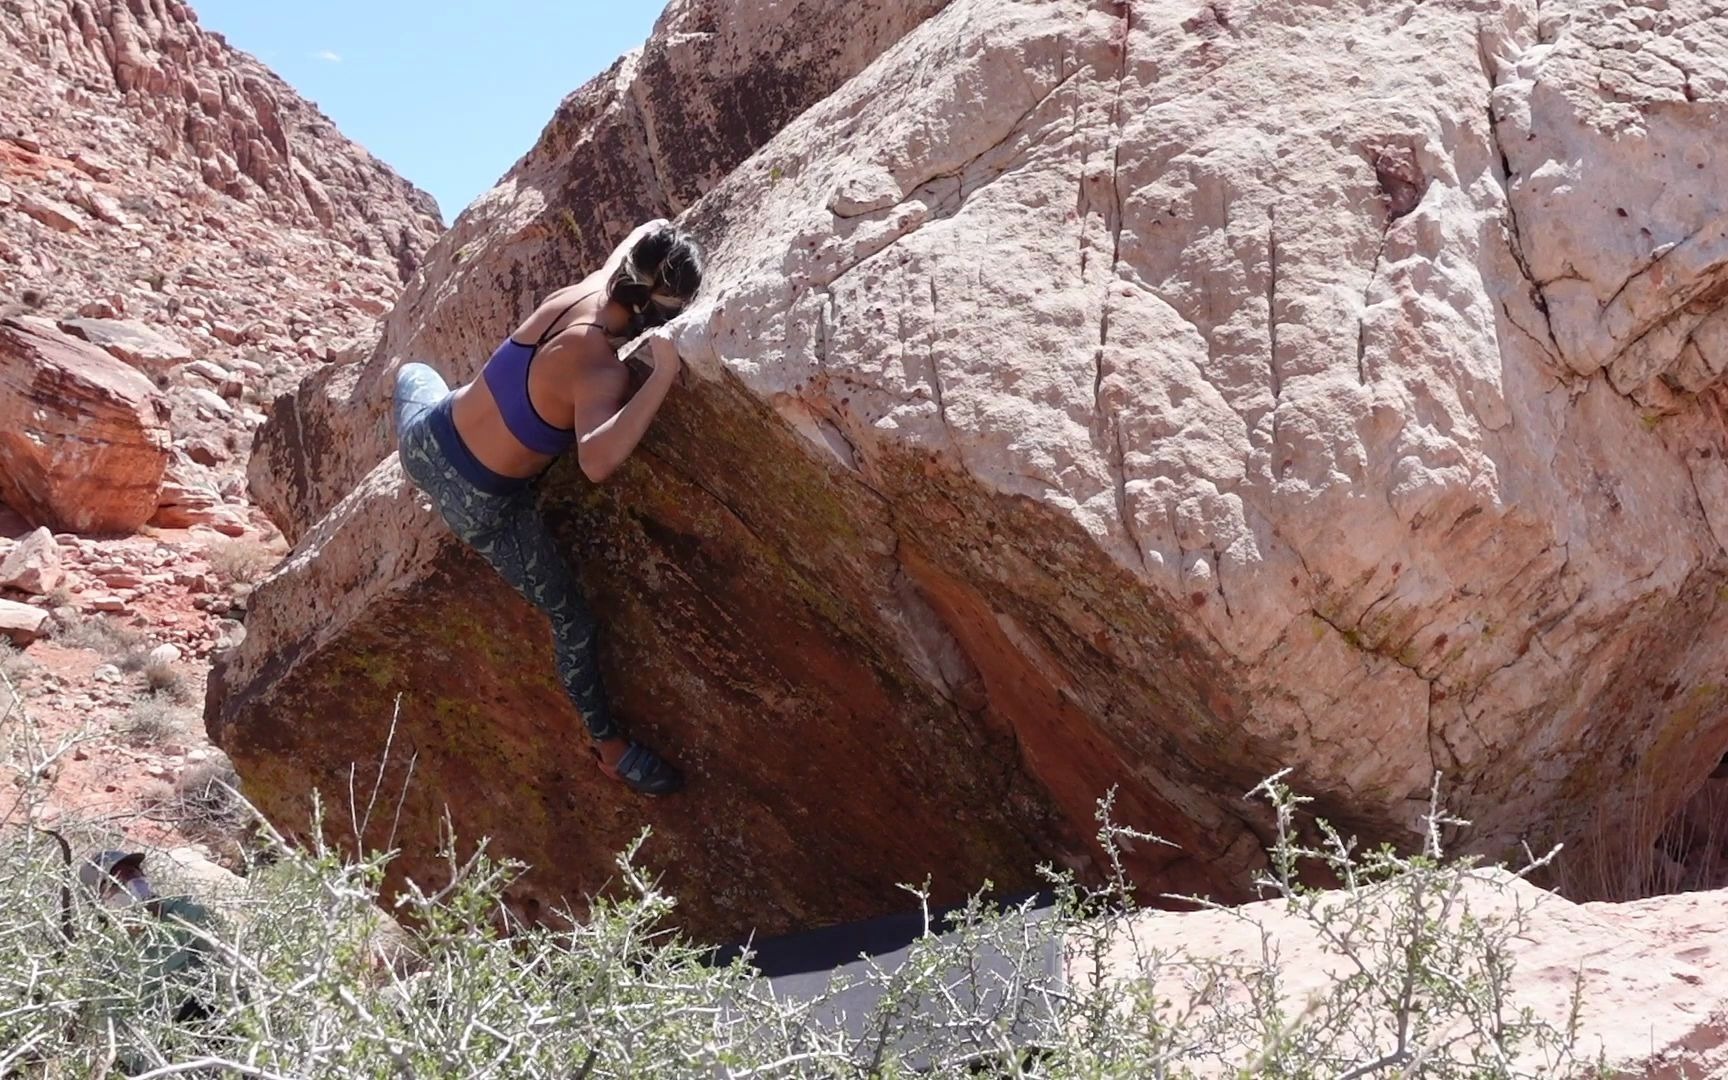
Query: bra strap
pixel 553 329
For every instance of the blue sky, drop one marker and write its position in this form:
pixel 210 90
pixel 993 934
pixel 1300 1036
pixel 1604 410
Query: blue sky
pixel 449 94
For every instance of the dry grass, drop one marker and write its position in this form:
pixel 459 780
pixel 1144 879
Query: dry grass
pixel 154 793
pixel 13 663
pixel 241 561
pixel 207 805
pixel 12 666
pixel 162 680
pixel 1687 847
pixel 1694 842
pixel 153 720
pixel 127 649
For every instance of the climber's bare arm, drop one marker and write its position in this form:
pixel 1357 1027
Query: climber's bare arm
pixel 606 432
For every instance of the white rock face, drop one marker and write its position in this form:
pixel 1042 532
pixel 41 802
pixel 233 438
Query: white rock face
pixel 1389 366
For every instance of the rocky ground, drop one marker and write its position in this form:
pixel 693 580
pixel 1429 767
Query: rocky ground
pixel 171 203
pixel 102 694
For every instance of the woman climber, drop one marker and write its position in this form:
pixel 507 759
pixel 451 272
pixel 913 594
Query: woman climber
pixel 477 450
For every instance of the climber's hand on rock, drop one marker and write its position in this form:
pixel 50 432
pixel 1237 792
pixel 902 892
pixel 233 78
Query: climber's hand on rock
pixel 666 360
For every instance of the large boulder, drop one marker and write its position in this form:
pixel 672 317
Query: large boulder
pixel 84 438
pixel 1087 395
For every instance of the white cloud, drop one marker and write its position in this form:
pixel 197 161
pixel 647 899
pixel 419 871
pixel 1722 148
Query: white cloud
pixel 327 56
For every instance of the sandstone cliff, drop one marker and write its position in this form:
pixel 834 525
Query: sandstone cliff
pixel 138 96
pixel 172 200
pixel 1086 394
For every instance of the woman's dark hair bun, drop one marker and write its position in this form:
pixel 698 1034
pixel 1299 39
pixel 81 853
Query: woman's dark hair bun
pixel 672 258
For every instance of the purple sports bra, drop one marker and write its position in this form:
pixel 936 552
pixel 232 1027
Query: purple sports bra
pixel 506 375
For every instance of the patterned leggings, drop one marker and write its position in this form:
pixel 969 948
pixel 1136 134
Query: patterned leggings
pixel 507 531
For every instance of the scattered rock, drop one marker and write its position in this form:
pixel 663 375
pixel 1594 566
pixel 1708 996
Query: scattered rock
pixel 185 504
pixel 94 164
pixel 33 565
pixel 205 451
pixel 133 342
pixel 50 212
pixel 20 623
pixel 210 372
pixel 211 403
pixel 98 204
pixel 164 655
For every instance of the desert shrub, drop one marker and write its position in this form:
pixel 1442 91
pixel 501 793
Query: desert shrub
pixel 161 679
pixel 152 720
pixel 13 663
pixel 291 983
pixel 241 561
pixel 126 649
pixel 206 804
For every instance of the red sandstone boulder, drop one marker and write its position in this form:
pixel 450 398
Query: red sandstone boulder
pixel 83 438
pixel 185 504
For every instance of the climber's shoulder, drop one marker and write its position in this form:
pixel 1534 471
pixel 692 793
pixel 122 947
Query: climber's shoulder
pixel 594 366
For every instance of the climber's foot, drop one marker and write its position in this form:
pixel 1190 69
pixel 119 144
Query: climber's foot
pixel 640 768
